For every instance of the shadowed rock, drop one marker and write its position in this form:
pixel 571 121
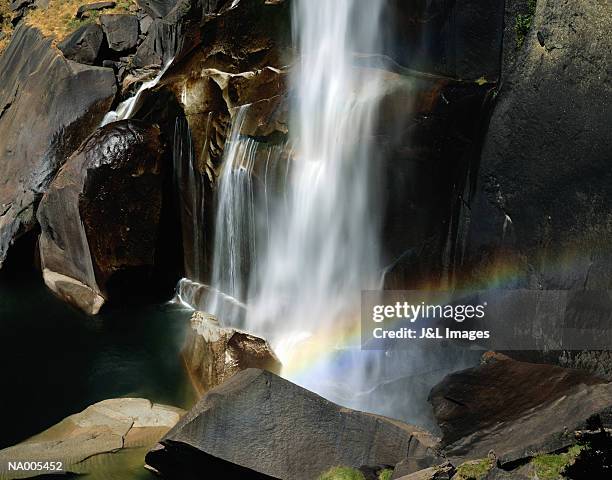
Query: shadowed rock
pixel 91 7
pixel 121 31
pixel 544 186
pixel 84 45
pixel 213 353
pixel 157 8
pixel 48 106
pixel 101 213
pixel 517 409
pixel 100 430
pixel 265 425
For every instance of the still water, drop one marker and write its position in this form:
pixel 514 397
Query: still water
pixel 55 361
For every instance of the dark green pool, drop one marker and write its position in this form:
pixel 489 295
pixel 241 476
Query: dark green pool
pixel 55 361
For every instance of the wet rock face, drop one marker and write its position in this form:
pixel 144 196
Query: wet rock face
pixel 84 45
pixel 544 187
pixel 101 213
pixel 517 409
pixel 265 425
pixel 213 353
pixel 121 31
pixel 461 39
pixel 100 430
pixel 48 106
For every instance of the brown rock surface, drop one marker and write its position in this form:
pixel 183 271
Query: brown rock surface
pixel 101 429
pixel 517 409
pixel 213 353
pixel 101 213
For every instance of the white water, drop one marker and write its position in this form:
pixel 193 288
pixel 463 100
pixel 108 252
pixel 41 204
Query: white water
pixel 296 241
pixel 323 246
pixel 126 108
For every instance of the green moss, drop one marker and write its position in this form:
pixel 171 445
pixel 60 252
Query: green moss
pixel 473 470
pixel 342 473
pixel 385 474
pixel 551 467
pixel 523 23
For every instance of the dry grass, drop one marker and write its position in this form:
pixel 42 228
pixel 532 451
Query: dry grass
pixel 6 28
pixel 58 19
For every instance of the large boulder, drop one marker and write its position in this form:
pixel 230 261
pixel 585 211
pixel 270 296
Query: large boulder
pixel 48 106
pixel 540 214
pixel 517 409
pixel 84 44
pixel 259 425
pixel 213 353
pixel 101 431
pixel 102 211
pixel 121 31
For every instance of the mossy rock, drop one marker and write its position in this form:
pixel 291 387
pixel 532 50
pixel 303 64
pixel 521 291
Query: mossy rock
pixel 552 466
pixel 342 473
pixel 473 470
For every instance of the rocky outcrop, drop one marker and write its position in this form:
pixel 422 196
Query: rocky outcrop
pixel 99 431
pixel 213 353
pixel 83 46
pixel 121 31
pixel 101 213
pixel 517 409
pixel 84 10
pixel 48 106
pixel 157 8
pixel 263 426
pixel 540 213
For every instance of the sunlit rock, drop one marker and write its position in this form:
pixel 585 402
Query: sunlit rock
pixel 213 353
pixel 48 106
pixel 95 439
pixel 257 423
pixel 101 214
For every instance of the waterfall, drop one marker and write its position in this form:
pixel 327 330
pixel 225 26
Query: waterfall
pixel 126 108
pixel 239 217
pixel 323 245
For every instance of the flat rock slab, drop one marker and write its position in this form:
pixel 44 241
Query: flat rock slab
pixel 90 7
pixel 121 31
pixel 516 409
pixel 264 426
pixel 84 45
pixel 103 428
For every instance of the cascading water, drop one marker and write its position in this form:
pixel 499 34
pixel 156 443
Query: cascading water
pixel 297 239
pixel 323 246
pixel 126 108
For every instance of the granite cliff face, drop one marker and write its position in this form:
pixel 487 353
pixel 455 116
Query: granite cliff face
pixel 48 106
pixel 542 189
